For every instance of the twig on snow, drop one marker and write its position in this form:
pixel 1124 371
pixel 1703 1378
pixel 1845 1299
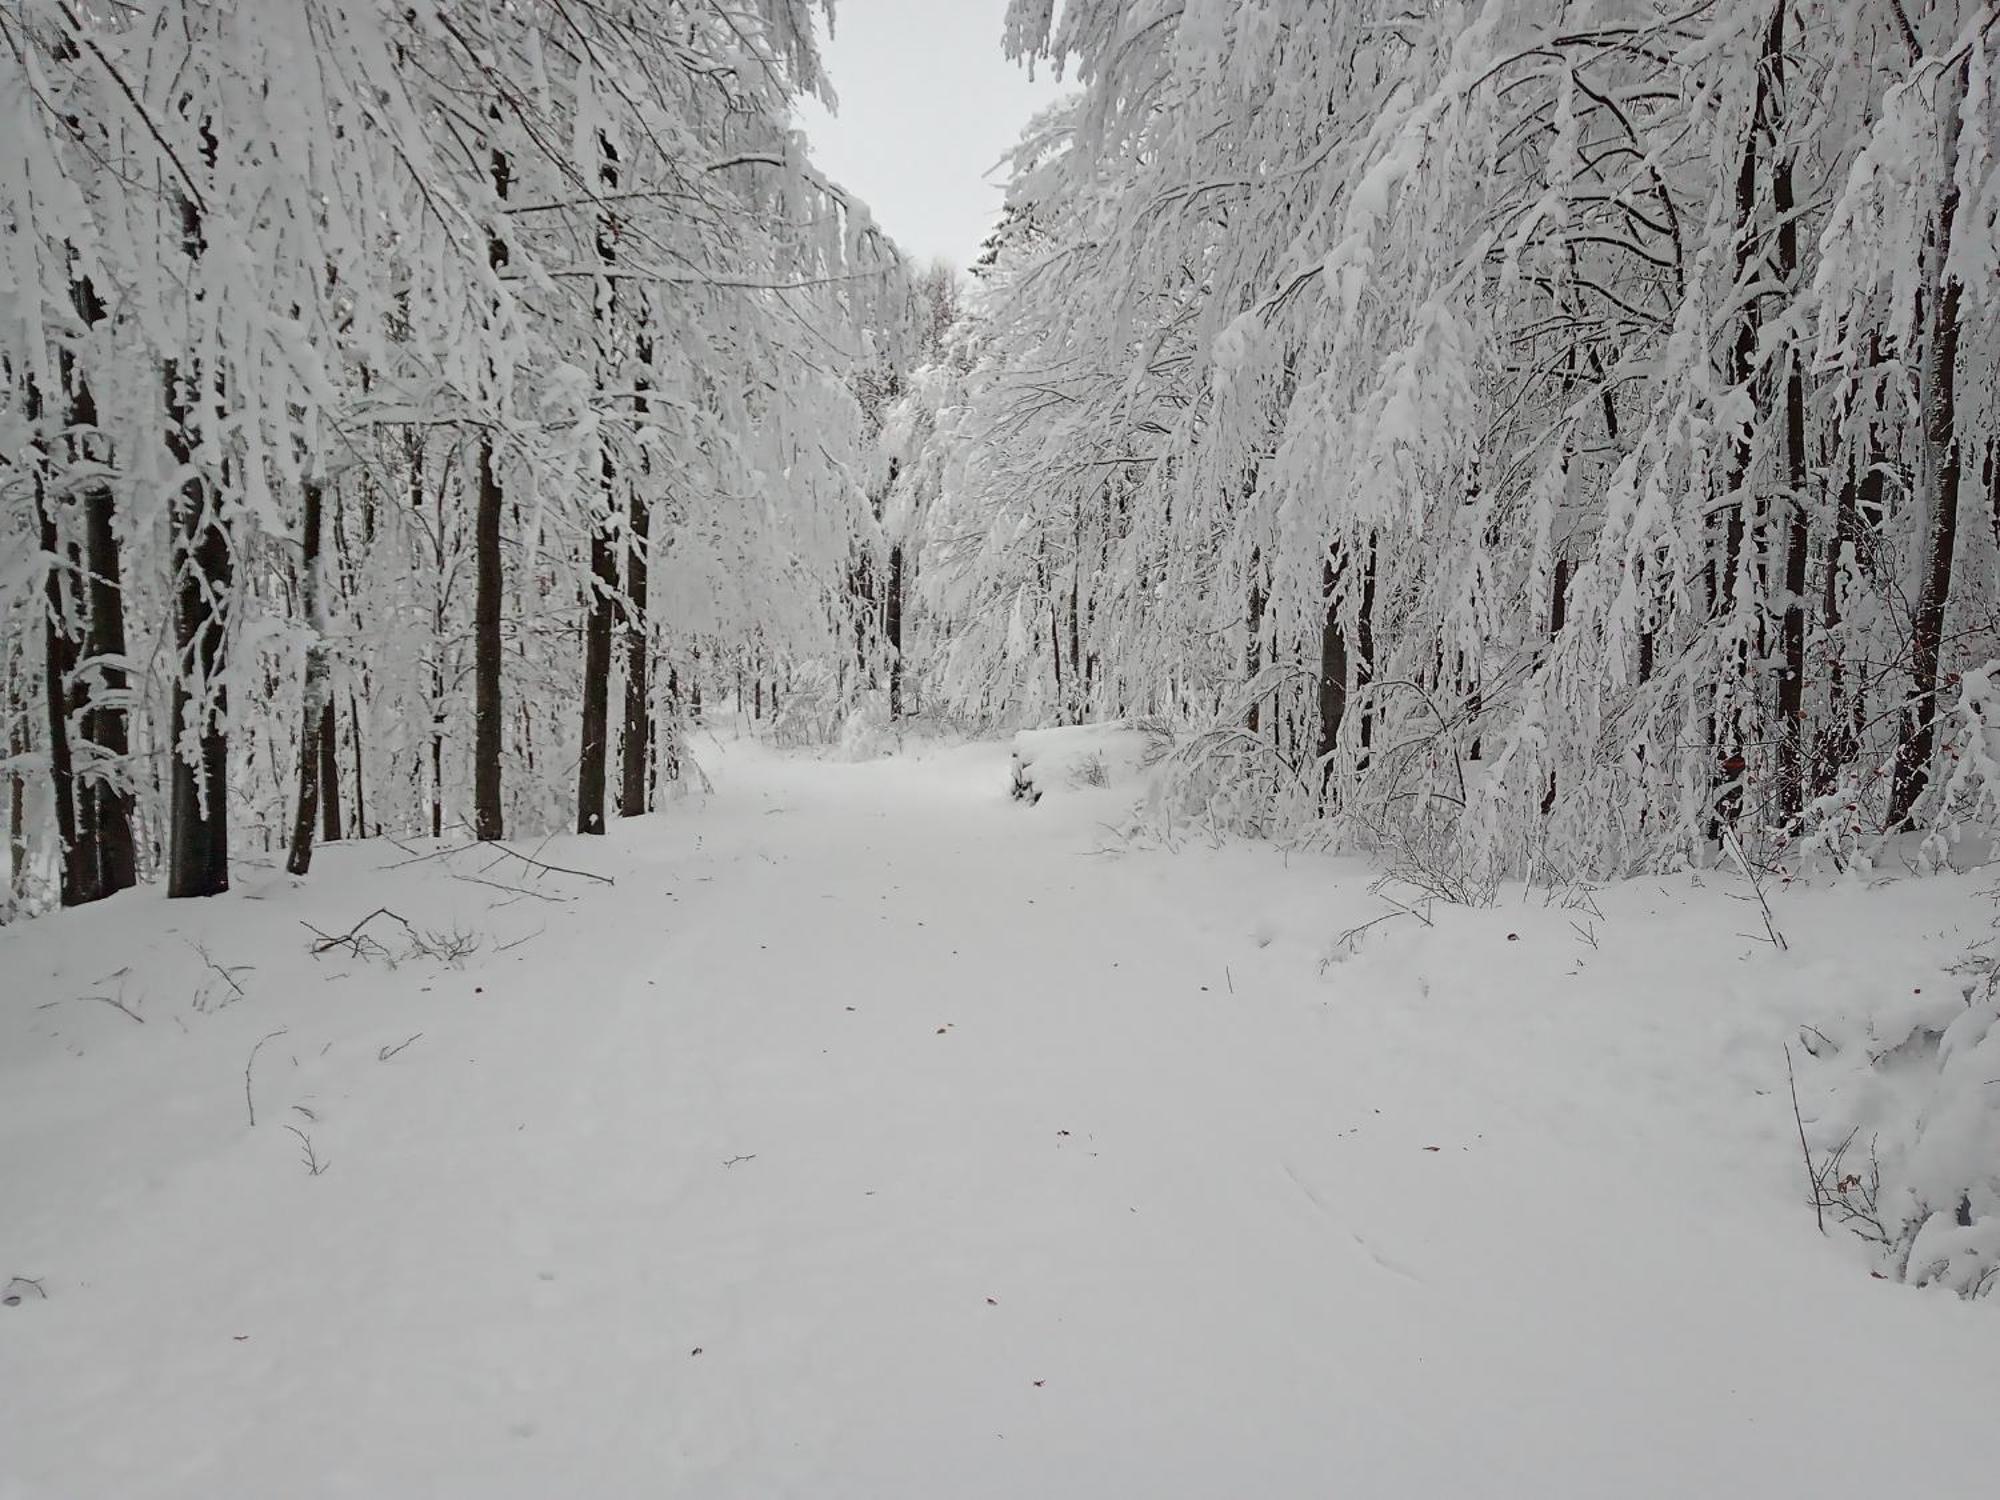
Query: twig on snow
pixel 117 1004
pixel 351 939
pixel 506 853
pixel 226 971
pixel 249 1100
pixel 313 1165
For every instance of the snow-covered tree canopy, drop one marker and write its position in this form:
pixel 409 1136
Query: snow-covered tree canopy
pixel 390 343
pixel 1556 430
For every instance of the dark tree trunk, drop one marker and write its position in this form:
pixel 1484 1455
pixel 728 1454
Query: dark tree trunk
pixel 105 721
pixel 18 745
pixel 597 677
pixel 893 628
pixel 1332 674
pixel 204 578
pixel 1253 651
pixel 489 582
pixel 1558 617
pixel 198 803
pixel 330 826
pixel 1942 467
pixel 602 605
pixel 79 874
pixel 1078 698
pixel 360 800
pixel 315 713
pixel 1364 656
pixel 1791 754
pixel 1055 657
pixel 635 750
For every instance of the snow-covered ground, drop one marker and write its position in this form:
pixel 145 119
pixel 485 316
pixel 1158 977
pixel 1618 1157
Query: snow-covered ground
pixel 878 1136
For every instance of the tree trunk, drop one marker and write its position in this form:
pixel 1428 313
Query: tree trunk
pixel 314 711
pixel 1332 674
pixel 635 750
pixel 79 882
pixel 1364 655
pixel 597 676
pixel 18 745
pixel 1253 650
pixel 330 826
pixel 198 802
pixel 602 604
pixel 669 761
pixel 106 719
pixel 893 627
pixel 1728 731
pixel 360 801
pixel 1941 467
pixel 489 582
pixel 1791 753
pixel 204 577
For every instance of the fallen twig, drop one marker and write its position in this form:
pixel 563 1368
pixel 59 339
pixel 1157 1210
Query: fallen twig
pixel 249 1101
pixel 383 1054
pixel 416 859
pixel 517 890
pixel 228 976
pixel 351 939
pixel 505 852
pixel 313 1165
pixel 117 1004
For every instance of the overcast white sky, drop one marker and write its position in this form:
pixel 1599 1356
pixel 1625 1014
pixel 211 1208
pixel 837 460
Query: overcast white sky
pixel 928 103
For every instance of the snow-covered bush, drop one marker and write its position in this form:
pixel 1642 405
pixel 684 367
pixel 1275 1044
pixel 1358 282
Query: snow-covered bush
pixel 1904 1136
pixel 1099 757
pixel 813 709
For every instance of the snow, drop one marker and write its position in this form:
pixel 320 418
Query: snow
pixel 877 1136
pixel 1081 757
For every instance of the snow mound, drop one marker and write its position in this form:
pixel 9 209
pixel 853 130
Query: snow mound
pixel 1102 757
pixel 1904 1133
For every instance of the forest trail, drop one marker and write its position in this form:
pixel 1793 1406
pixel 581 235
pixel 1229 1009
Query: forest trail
pixel 877 1137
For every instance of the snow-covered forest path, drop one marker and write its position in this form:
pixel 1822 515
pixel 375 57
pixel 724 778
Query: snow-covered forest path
pixel 876 1137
